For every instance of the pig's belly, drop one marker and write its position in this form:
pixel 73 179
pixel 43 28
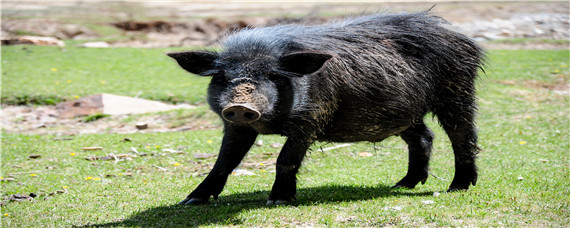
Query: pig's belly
pixel 354 132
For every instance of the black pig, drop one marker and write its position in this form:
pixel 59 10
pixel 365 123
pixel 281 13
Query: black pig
pixel 362 79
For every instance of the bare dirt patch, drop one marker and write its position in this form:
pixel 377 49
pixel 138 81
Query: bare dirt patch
pixel 43 120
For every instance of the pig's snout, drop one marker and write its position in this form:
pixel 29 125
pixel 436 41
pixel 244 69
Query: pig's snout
pixel 240 113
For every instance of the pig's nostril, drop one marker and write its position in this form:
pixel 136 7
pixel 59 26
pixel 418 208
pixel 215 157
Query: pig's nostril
pixel 250 115
pixel 230 114
pixel 240 114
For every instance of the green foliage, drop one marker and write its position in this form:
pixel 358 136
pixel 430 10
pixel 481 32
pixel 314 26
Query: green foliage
pixel 523 125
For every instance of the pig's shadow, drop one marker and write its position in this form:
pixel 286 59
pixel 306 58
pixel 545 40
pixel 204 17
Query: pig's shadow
pixel 226 210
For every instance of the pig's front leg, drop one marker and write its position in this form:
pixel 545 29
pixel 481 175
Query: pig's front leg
pixel 236 143
pixel 288 163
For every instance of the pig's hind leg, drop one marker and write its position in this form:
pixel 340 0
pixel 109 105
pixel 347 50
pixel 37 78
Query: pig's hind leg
pixel 458 121
pixel 419 139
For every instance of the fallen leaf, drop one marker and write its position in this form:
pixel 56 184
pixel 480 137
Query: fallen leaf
pixel 19 197
pixel 93 148
pixel 105 158
pixel 395 208
pixel 67 138
pixel 427 202
pixel 33 156
pixel 172 151
pixel 7 179
pixel 276 145
pixel 203 155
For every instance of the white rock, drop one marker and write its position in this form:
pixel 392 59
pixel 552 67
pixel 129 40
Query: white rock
pixel 96 45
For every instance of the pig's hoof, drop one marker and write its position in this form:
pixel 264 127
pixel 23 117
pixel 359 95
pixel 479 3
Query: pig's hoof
pixel 462 184
pixel 193 201
pixel 458 187
pixel 453 189
pixel 276 202
pixel 408 183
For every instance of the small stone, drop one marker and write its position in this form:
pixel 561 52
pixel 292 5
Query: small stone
pixel 520 178
pixel 242 172
pixel 99 44
pixel 141 126
pixel 427 202
pixel 259 143
pixel 365 154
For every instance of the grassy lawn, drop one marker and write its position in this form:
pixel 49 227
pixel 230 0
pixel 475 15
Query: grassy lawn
pixel 524 166
pixel 65 74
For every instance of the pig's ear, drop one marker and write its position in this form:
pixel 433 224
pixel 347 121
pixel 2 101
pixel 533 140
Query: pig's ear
pixel 303 63
pixel 196 62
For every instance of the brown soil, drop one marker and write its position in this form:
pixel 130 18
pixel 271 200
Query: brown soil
pixel 43 120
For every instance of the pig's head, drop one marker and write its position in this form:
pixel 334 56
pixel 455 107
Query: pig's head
pixel 248 89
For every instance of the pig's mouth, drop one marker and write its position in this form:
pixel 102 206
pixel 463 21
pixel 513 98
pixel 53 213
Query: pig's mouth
pixel 241 113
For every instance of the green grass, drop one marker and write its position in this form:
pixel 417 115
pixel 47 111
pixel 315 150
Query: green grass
pixel 31 73
pixel 524 168
pixel 530 41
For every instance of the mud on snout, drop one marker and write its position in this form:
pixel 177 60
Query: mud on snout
pixel 246 104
